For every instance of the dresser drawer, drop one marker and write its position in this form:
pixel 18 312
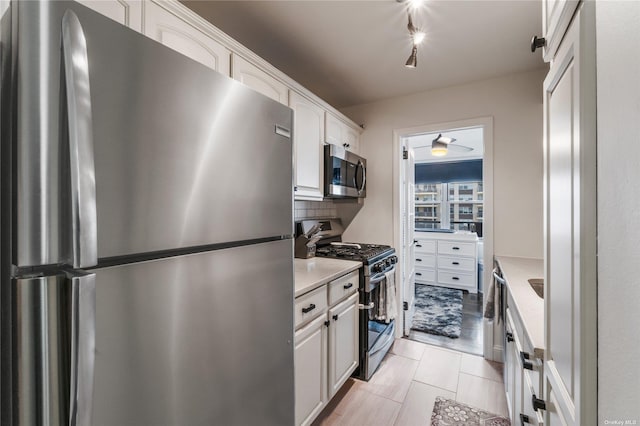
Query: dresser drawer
pixel 310 305
pixel 456 263
pixel 456 279
pixel 425 260
pixel 460 249
pixel 343 287
pixel 425 246
pixel 425 275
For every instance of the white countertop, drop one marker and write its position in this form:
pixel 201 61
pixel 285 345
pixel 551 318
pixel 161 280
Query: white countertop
pixel 530 307
pixel 312 273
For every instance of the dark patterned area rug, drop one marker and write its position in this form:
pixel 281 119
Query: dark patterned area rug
pixel 448 412
pixel 438 310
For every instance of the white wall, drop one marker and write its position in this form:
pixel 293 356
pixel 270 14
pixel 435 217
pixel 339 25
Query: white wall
pixel 515 103
pixel 618 76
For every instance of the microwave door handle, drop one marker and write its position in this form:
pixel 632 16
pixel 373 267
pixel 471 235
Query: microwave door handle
pixel 364 177
pixel 84 237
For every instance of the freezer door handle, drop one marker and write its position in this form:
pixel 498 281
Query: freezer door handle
pixel 84 238
pixel 83 332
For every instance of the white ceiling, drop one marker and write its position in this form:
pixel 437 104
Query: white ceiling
pixel 471 138
pixel 353 52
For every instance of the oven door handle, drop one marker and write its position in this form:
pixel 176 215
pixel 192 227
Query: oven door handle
pixel 381 276
pixel 368 307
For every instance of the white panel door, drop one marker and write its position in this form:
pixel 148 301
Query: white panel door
pixel 408 212
pixel 252 76
pixel 310 370
pixel 126 12
pixel 308 137
pixel 170 30
pixel 570 228
pixel 343 343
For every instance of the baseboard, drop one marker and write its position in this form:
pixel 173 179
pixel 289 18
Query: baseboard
pixel 497 353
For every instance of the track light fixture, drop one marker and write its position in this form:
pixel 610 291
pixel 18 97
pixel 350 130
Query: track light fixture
pixel 417 36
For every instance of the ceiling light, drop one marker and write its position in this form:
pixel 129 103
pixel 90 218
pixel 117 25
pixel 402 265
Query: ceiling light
pixel 414 4
pixel 412 62
pixel 418 36
pixel 439 146
pixel 438 149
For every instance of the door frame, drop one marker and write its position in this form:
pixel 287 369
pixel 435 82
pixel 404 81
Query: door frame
pixel 492 344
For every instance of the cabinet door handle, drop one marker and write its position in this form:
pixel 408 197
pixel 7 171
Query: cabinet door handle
pixel 418 245
pixel 347 286
pixel 327 323
pixel 538 404
pixel 455 263
pixel 419 273
pixel 537 42
pixel 310 308
pixel 335 317
pixel 526 364
pixel 524 419
pixel 455 248
pixel 418 260
pixel 455 278
pixel 509 336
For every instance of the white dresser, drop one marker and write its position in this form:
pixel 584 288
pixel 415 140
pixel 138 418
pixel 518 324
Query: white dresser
pixel 447 260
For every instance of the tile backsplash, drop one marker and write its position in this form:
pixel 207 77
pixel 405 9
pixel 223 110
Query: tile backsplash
pixel 314 209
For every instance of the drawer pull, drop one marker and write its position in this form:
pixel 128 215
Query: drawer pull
pixel 455 248
pixel 419 273
pixel 509 336
pixel 366 307
pixel 327 323
pixel 418 260
pixel 455 263
pixel 524 419
pixel 335 317
pixel 310 308
pixel 418 245
pixel 455 278
pixel 347 286
pixel 526 364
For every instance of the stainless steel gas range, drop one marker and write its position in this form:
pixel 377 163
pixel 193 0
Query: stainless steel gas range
pixel 377 276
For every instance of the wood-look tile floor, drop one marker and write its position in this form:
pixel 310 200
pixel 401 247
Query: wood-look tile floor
pixel 403 390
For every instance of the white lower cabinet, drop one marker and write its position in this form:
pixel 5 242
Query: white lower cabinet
pixel 326 345
pixel 343 343
pixel 310 360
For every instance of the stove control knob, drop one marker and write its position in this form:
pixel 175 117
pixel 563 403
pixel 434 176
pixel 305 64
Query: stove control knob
pixel 376 268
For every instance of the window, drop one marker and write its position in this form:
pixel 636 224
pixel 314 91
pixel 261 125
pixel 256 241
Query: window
pixel 462 201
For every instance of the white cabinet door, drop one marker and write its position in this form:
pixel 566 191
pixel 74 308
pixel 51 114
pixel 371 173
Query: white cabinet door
pixel 570 363
pixel 310 370
pixel 556 15
pixel 172 31
pixel 252 76
pixel 337 132
pixel 343 343
pixel 126 12
pixel 308 136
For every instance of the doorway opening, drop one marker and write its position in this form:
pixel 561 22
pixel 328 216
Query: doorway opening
pixel 444 224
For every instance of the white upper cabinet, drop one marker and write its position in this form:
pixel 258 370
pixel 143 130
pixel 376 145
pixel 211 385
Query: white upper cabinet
pixel 337 132
pixel 556 15
pixel 308 136
pixel 174 32
pixel 252 76
pixel 126 12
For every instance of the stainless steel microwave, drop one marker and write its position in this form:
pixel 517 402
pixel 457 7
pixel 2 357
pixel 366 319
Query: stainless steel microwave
pixel 345 173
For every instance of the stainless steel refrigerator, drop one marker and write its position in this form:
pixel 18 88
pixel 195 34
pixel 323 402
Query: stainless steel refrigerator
pixel 147 265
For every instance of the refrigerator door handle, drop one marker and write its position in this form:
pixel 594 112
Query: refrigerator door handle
pixel 83 331
pixel 84 238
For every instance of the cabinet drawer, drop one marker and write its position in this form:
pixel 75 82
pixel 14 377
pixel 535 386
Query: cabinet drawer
pixel 460 249
pixel 425 260
pixel 457 279
pixel 309 305
pixel 425 275
pixel 343 286
pixel 425 246
pixel 456 263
